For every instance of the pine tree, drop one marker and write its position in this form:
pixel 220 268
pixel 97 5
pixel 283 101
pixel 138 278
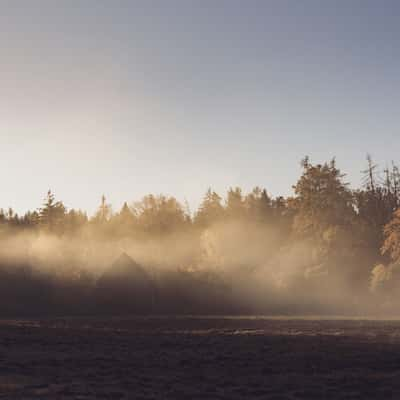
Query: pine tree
pixel 104 212
pixel 210 210
pixel 322 199
pixel 258 205
pixel 235 203
pixel 51 215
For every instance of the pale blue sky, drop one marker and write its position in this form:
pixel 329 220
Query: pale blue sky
pixel 131 97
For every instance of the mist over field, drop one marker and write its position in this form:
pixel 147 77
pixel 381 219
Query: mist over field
pixel 164 233
pixel 325 250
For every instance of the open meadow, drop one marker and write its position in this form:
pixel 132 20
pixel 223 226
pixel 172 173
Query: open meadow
pixel 199 358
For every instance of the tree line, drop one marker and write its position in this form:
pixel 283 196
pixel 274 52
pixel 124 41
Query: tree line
pixel 334 232
pixel 323 208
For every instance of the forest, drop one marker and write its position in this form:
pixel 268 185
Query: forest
pixel 327 249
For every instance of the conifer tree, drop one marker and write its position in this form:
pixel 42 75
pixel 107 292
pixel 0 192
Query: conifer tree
pixel 52 213
pixel 210 210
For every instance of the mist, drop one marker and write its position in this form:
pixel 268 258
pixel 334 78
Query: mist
pixel 327 249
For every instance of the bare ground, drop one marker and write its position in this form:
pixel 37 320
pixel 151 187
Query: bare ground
pixel 199 358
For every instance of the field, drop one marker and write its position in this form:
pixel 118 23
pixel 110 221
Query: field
pixel 199 358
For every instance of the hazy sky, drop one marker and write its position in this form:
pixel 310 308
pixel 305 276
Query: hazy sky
pixel 128 97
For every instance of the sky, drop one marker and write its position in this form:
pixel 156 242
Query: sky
pixel 126 98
